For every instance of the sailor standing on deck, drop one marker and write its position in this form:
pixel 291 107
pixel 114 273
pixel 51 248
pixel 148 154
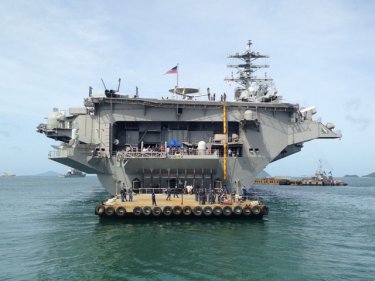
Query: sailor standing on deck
pixel 122 195
pixel 130 194
pixel 168 193
pixel 153 196
pixel 175 194
pixel 244 193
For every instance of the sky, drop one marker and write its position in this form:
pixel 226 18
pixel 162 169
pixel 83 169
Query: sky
pixel 322 53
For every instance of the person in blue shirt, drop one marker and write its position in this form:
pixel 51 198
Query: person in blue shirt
pixel 153 196
pixel 244 193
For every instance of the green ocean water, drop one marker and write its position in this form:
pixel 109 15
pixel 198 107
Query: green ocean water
pixel 49 231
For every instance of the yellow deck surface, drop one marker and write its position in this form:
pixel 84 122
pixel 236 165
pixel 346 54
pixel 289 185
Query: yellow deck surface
pixel 143 200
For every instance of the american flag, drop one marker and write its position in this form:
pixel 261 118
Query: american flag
pixel 172 70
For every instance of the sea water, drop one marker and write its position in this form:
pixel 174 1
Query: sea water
pixel 49 231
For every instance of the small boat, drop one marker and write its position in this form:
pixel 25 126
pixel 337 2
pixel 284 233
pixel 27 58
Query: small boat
pixel 74 173
pixel 321 178
pixel 7 175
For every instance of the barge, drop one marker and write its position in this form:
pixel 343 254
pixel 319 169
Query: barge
pixel 185 206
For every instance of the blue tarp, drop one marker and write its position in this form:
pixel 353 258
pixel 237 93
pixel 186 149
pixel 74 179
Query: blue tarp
pixel 174 143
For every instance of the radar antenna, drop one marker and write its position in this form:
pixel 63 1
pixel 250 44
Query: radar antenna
pixel 251 87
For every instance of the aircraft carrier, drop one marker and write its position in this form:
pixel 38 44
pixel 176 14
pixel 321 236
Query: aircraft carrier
pixel 190 139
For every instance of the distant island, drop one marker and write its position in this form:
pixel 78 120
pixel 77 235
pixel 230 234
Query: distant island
pixel 372 175
pixel 49 174
pixel 263 174
pixel 351 176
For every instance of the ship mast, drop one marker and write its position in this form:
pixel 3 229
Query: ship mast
pixel 246 69
pixel 251 87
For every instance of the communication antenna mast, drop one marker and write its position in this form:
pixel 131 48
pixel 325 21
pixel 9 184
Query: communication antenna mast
pixel 105 88
pixel 119 83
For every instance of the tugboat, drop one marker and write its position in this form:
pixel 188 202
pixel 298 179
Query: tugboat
pixel 74 173
pixel 321 178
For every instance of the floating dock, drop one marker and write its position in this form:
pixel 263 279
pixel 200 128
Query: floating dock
pixel 185 206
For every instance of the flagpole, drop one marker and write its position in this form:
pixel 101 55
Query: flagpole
pixel 177 75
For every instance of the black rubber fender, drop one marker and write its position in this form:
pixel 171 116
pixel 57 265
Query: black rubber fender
pixel 246 211
pixel 147 210
pixel 120 211
pixel 198 211
pixel 177 210
pixel 237 210
pixel 207 211
pixel 167 210
pixel 109 211
pixel 227 211
pixel 256 210
pixel 137 211
pixel 99 210
pixel 218 211
pixel 265 210
pixel 156 211
pixel 187 210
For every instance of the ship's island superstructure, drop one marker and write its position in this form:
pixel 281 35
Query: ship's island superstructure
pixel 149 143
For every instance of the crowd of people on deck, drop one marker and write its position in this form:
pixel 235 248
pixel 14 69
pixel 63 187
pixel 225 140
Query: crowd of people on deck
pixel 125 192
pixel 202 195
pixel 209 196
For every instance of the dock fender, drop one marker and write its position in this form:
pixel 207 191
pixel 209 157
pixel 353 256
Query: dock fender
pixel 167 210
pixel 156 211
pixel 227 211
pixel 177 210
pixel 147 211
pixel 120 211
pixel 207 211
pixel 99 210
pixel 246 211
pixel 256 210
pixel 237 210
pixel 218 211
pixel 198 210
pixel 109 211
pixel 187 210
pixel 265 210
pixel 137 211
